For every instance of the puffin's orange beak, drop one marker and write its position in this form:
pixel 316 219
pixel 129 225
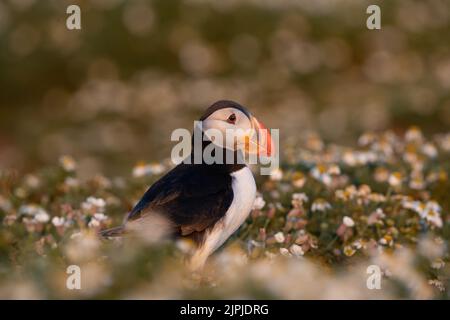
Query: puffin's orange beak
pixel 260 142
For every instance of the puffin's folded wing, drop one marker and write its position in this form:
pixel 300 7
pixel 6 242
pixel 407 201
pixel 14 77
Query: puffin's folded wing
pixel 192 197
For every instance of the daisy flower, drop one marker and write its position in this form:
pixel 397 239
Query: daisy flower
pixel 320 205
pixel 68 163
pixel 348 221
pixel 259 203
pixel 298 199
pixel 395 179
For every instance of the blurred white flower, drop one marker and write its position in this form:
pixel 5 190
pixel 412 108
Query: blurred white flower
pixel 430 150
pixel 100 217
pixel 320 205
pixel 438 263
pixel 296 250
pixel 434 218
pixel 94 223
pixel 413 134
pixel 349 251
pixel 276 175
pixel 285 252
pixel 321 173
pixel 142 169
pixel 395 179
pixel 58 221
pixel 438 284
pixel 279 237
pixel 348 221
pixel 417 182
pixel 298 199
pixel 35 211
pixel 32 181
pixel 376 216
pixel 298 180
pixel 67 163
pixel 93 204
pixel 42 217
pixel 429 211
pixel 259 203
pixel 97 219
pixel 302 197
pixel 5 204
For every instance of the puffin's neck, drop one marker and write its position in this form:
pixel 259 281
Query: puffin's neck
pixel 237 157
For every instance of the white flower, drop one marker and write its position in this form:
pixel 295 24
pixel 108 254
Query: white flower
pixel 259 203
pixel 354 158
pixel 5 204
pixel 429 211
pixel 285 252
pixel 366 139
pixel 42 217
pixel 29 209
pixel 438 264
pixel 323 173
pixel 429 150
pixel 348 221
pixel 320 173
pixel 94 223
pixel 444 142
pixel 68 163
pixel 417 182
pixel 298 180
pixel 276 175
pixel 320 205
pixel 438 284
pixel 184 245
pixel 279 237
pixel 433 205
pixel 349 251
pixel 296 250
pixel 32 181
pixel 38 213
pixel 395 179
pixel 298 199
pixel 96 220
pixel 413 134
pixel 302 197
pixel 334 169
pixel 357 244
pixel 100 217
pixel 143 169
pixel 434 218
pixel 93 203
pixel 58 221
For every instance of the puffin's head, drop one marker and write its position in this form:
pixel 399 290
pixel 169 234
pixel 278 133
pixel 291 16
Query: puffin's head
pixel 239 129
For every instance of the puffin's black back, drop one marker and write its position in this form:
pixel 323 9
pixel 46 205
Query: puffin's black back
pixel 192 196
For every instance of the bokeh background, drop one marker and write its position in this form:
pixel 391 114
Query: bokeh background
pixel 364 117
pixel 111 93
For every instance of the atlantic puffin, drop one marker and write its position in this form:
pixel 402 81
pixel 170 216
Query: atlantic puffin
pixel 204 202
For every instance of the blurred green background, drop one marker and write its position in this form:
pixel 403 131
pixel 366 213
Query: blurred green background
pixel 111 93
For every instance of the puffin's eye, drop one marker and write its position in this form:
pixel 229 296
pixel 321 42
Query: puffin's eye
pixel 232 118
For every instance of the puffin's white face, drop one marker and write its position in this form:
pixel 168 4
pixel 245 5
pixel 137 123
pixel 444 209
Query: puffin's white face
pixel 233 129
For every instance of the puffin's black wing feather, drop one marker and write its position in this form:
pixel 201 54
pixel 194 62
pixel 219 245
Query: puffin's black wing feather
pixel 193 197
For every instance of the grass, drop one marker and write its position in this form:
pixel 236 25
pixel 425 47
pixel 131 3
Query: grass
pixel 318 223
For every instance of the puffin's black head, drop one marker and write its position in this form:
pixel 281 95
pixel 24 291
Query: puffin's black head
pixel 249 134
pixel 224 104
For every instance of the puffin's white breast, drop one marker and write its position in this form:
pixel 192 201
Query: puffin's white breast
pixel 244 192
